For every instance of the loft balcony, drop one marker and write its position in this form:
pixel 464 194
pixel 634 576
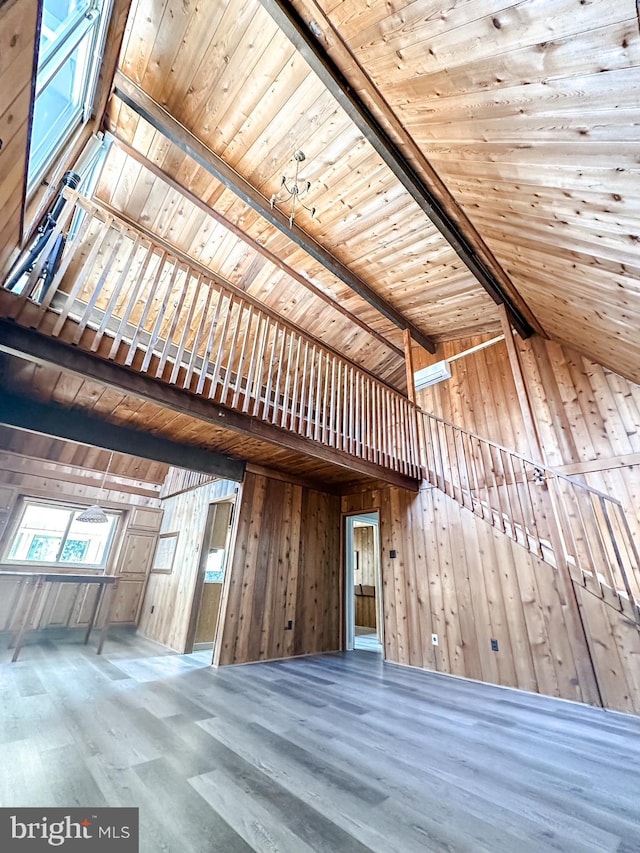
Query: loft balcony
pixel 123 297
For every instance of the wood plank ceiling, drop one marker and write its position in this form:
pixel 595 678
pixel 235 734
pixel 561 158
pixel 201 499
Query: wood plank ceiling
pixel 527 111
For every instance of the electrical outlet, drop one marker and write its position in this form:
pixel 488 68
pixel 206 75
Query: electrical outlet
pixel 393 554
pixel 289 625
pixel 434 639
pixel 494 645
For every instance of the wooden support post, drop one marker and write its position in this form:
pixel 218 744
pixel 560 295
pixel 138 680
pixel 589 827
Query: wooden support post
pixel 408 360
pixel 536 446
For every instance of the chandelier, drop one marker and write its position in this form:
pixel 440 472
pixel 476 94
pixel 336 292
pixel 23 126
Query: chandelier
pixel 293 192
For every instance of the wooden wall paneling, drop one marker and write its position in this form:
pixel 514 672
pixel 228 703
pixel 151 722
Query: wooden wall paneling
pixel 364 544
pixel 283 568
pixel 389 541
pixel 469 641
pixel 614 653
pixel 166 610
pixel 18 29
pixel 508 561
pixel 451 620
pixel 436 595
pixel 481 586
pixel 421 650
pixel 488 661
pixel 127 602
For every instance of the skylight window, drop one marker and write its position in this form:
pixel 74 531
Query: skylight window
pixel 71 39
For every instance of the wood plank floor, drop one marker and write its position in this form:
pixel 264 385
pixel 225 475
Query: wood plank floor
pixel 331 753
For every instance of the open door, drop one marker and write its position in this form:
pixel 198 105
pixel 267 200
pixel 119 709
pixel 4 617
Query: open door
pixel 208 592
pixel 363 583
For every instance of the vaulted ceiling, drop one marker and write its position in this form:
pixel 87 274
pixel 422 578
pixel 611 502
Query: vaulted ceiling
pixel 520 119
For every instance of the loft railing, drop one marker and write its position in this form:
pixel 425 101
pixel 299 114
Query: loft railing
pixel 128 296
pixel 557 517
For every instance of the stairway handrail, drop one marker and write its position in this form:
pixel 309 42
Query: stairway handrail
pixel 541 465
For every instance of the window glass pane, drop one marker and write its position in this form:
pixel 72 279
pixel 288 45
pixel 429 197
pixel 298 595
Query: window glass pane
pixel 40 533
pixel 58 107
pixel 52 534
pixel 87 543
pixel 58 18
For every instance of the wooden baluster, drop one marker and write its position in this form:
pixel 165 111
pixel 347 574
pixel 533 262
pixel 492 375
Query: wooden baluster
pixel 339 394
pixel 388 428
pixel 346 385
pixel 319 413
pixel 463 462
pixel 406 437
pixel 98 286
pixel 333 393
pixel 204 367
pixel 252 363
pixel 303 391
pixel 392 431
pixel 311 393
pixel 82 275
pixel 430 442
pixel 401 434
pixel 249 313
pixel 133 299
pixel 295 345
pixel 186 329
pixel 394 451
pixel 296 386
pixel 415 439
pixel 377 424
pixel 239 306
pixel 217 364
pixel 326 401
pixel 157 327
pixel 357 423
pixel 520 510
pixel 115 293
pixel 373 420
pixel 161 272
pixel 177 314
pixel 195 346
pixel 258 381
pixel 277 344
pixel 351 384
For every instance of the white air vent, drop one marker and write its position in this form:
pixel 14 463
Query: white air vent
pixel 430 375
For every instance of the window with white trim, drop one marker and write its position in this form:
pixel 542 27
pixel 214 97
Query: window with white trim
pixel 48 534
pixel 69 55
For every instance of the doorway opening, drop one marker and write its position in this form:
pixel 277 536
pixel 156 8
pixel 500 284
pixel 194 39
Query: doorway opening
pixel 208 590
pixel 363 583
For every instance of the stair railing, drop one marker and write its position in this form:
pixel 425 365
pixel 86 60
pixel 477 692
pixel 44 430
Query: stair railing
pixel 110 287
pixel 555 516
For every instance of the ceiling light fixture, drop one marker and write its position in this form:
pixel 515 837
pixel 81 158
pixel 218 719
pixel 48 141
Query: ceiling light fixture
pixel 293 192
pixel 95 514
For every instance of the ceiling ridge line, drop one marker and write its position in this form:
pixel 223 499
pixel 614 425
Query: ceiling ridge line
pixel 294 28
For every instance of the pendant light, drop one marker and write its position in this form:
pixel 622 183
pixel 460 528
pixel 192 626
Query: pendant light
pixel 95 514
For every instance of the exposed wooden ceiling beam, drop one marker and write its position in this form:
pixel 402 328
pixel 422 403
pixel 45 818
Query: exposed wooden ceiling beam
pixel 254 244
pixel 74 424
pixel 26 343
pixel 299 34
pixel 153 113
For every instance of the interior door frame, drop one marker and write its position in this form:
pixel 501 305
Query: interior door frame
pixel 198 589
pixel 372 517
